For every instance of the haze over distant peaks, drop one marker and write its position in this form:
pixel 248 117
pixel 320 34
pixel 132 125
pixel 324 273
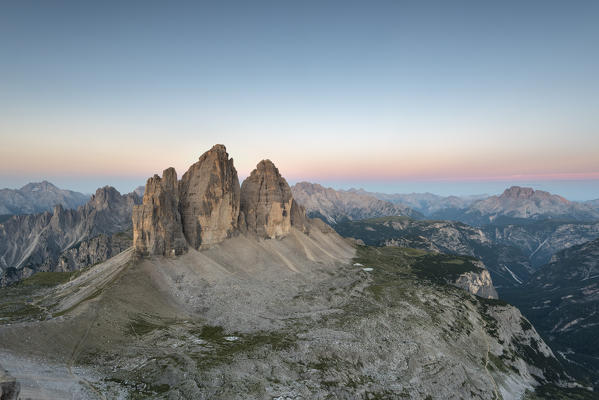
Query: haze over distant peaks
pixel 335 205
pixel 523 202
pixel 37 197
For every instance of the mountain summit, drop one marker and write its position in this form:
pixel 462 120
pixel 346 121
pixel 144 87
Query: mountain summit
pixel 208 205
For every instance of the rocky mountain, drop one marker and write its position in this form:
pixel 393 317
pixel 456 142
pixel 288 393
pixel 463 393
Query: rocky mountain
pixel 426 203
pixel 333 205
pixel 508 265
pixel 65 239
pixel 561 299
pixel 518 204
pixel 38 197
pixel 539 240
pixel 208 205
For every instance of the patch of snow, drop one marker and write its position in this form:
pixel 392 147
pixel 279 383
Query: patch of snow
pixel 231 338
pixel 358 265
pixel 367 269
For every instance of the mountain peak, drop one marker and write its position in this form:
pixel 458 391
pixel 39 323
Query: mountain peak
pixel 39 186
pixel 518 192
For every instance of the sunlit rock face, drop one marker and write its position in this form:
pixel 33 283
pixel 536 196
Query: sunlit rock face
pixel 208 205
pixel 209 199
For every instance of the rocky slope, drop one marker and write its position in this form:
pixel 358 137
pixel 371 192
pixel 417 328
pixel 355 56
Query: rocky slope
pixel 521 203
pixel 333 206
pixel 539 240
pixel 38 197
pixel 508 265
pixel 255 319
pixel 562 301
pixel 63 238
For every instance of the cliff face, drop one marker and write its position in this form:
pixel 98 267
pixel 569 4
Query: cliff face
pixel 157 227
pixel 478 283
pixel 266 202
pixel 208 205
pixel 38 242
pixel 209 199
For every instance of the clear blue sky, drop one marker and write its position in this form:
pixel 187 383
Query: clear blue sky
pixel 460 97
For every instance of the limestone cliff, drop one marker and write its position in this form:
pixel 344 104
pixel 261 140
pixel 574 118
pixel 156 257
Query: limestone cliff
pixel 478 283
pixel 266 202
pixel 209 199
pixel 157 227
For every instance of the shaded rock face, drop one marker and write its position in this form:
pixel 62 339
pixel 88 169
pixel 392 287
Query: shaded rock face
pixel 9 387
pixel 157 227
pixel 56 241
pixel 209 199
pixel 266 202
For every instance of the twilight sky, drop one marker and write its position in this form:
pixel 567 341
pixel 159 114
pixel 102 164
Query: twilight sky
pixel 447 97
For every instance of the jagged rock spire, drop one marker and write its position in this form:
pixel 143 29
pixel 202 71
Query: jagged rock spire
pixel 209 198
pixel 267 205
pixel 157 225
pixel 207 205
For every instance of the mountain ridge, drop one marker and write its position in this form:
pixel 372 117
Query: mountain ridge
pixel 37 197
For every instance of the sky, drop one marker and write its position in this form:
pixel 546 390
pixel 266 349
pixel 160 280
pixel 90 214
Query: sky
pixel 460 97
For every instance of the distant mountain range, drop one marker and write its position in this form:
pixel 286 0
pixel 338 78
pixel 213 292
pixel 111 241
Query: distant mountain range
pixel 425 203
pixel 516 204
pixel 38 197
pixel 334 206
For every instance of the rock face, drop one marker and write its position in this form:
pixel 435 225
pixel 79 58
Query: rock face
pixel 207 206
pixel 38 242
pixel 478 283
pixel 266 202
pixel 157 227
pixel 209 199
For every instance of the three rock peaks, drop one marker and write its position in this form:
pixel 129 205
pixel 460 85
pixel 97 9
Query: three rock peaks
pixel 207 206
